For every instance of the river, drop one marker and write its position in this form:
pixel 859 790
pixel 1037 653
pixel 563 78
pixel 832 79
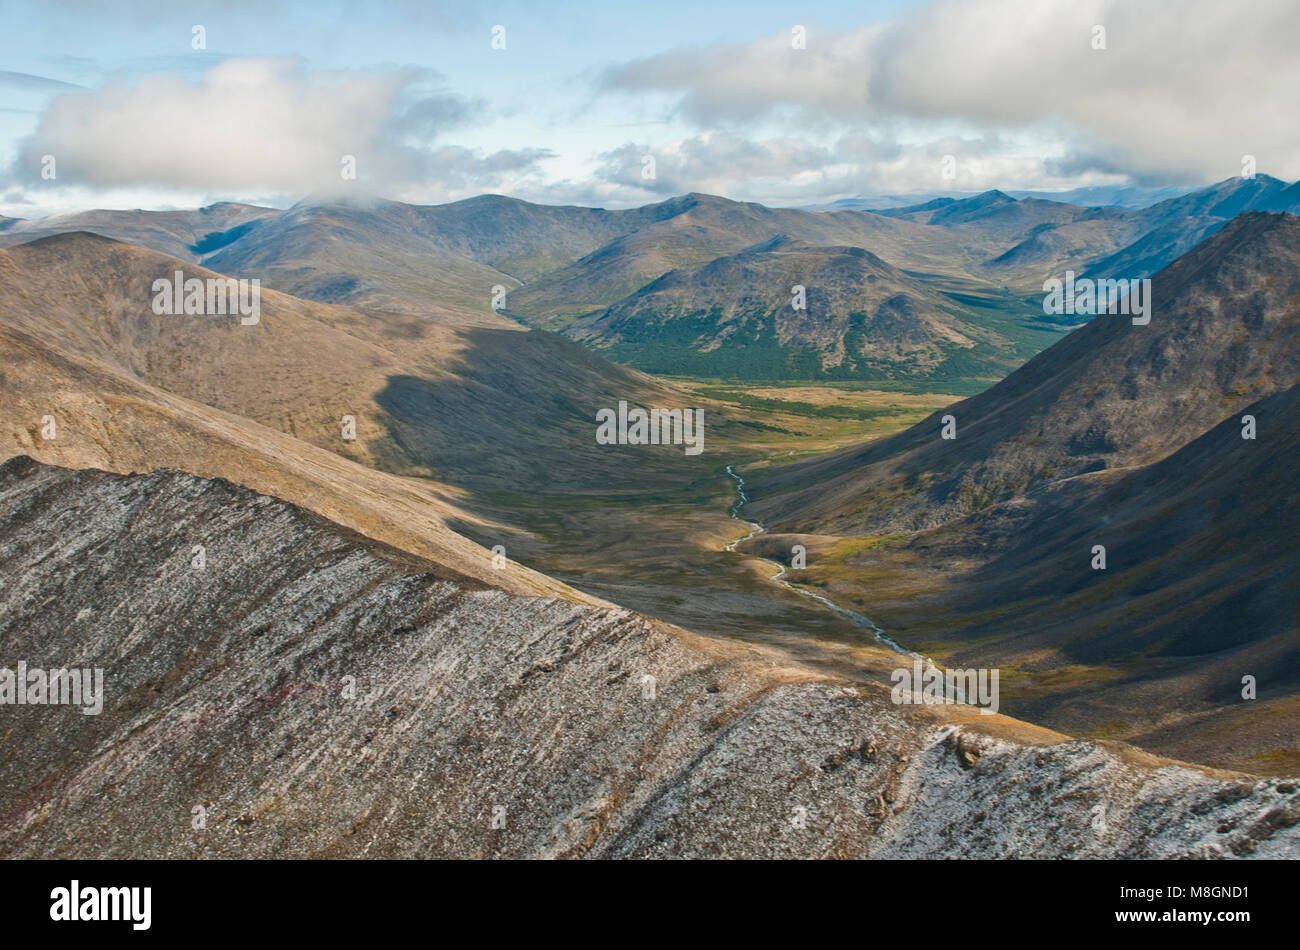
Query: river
pixel 852 616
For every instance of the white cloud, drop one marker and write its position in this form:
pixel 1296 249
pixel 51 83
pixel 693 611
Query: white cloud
pixel 1183 89
pixel 264 126
pixel 745 81
pixel 792 170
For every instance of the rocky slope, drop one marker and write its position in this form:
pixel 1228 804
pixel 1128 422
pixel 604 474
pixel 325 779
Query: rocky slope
pixel 313 693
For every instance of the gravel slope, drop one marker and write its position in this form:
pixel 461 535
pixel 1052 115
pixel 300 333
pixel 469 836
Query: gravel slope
pixel 227 691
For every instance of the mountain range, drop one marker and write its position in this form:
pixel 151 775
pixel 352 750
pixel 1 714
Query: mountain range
pixel 493 261
pixel 1093 196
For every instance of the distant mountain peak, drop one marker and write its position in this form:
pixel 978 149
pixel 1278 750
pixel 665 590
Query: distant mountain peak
pixel 698 199
pixel 218 207
pixel 1236 181
pixel 77 239
pixel 985 199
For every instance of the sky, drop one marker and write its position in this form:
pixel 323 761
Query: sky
pixel 166 103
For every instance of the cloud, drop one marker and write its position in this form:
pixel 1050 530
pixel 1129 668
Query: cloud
pixel 262 125
pixel 433 115
pixel 791 170
pixel 709 162
pixel 745 81
pixel 1180 89
pixel 455 171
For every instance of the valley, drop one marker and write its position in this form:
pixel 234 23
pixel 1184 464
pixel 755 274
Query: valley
pixel 659 546
pixel 450 432
pixel 474 453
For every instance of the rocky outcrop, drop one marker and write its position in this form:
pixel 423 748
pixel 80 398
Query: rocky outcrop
pixel 310 692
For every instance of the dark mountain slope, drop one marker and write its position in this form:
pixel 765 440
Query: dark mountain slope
pixel 1201 556
pixel 1201 587
pixel 1171 228
pixel 1225 331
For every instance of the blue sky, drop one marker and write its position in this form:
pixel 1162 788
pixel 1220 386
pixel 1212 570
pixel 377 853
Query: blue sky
pixel 1009 93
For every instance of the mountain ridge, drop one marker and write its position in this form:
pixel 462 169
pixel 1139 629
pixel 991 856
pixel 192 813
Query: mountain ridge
pixel 451 685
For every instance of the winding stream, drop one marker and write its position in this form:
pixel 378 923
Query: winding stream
pixel 850 615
